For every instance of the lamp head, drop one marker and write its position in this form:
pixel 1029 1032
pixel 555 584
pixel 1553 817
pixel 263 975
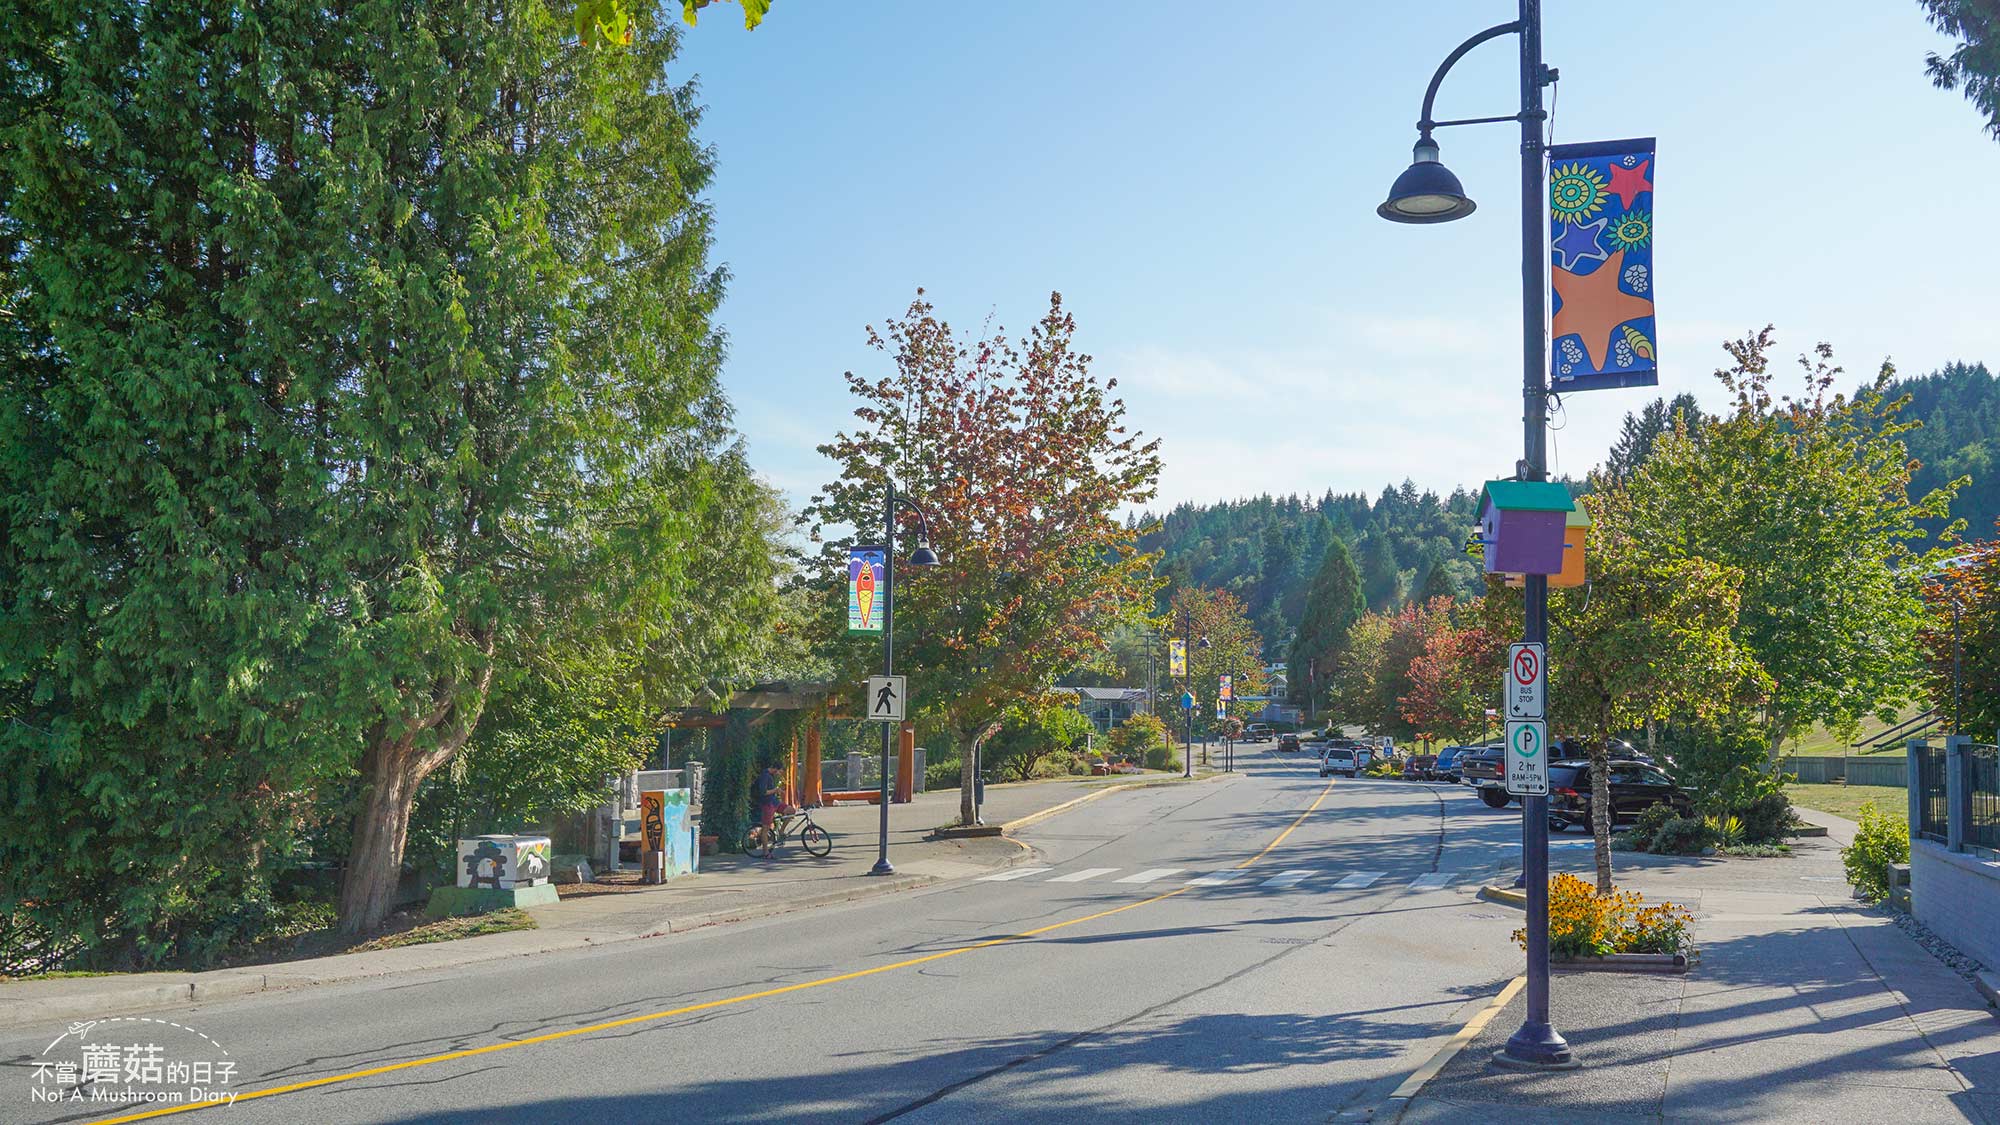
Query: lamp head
pixel 1426 192
pixel 923 555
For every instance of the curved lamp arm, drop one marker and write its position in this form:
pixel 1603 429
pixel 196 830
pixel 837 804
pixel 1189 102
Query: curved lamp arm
pixel 923 520
pixel 1425 125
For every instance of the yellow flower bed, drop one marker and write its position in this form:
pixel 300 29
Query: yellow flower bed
pixel 1584 923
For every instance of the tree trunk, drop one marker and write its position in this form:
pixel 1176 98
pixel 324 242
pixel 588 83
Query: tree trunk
pixel 966 810
pixel 381 827
pixel 1600 801
pixel 391 772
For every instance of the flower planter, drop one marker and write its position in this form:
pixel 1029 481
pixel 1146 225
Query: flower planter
pixel 1626 963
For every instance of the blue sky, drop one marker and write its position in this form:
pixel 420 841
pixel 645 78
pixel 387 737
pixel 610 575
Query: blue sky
pixel 1199 181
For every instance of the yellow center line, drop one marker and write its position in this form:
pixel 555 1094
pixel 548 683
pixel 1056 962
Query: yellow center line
pixel 474 1052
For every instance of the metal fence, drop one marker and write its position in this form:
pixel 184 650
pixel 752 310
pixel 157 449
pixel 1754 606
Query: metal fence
pixel 1892 772
pixel 1932 811
pixel 1982 775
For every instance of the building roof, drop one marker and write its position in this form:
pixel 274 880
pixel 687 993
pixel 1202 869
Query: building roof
pixel 1109 694
pixel 1525 496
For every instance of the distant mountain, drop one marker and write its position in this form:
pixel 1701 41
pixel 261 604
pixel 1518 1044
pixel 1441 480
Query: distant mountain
pixel 1266 549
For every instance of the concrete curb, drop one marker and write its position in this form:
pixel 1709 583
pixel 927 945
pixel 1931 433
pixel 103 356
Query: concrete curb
pixel 1398 1102
pixel 1505 896
pixel 1988 984
pixel 222 984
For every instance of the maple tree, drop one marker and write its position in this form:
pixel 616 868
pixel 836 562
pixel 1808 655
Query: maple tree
pixel 1233 650
pixel 1960 639
pixel 1023 461
pixel 1810 499
pixel 1455 680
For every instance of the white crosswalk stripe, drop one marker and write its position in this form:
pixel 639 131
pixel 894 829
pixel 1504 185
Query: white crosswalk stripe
pixel 1149 875
pixel 1017 873
pixel 1435 881
pixel 1215 880
pixel 1359 879
pixel 1286 878
pixel 1080 876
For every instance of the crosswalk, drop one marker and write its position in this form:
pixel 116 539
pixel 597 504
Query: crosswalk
pixel 1277 881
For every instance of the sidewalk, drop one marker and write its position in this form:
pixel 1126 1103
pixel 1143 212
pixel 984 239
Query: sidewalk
pixel 729 888
pixel 1807 1006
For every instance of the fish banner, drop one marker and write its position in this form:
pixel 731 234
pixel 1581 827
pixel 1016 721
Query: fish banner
pixel 865 589
pixel 1601 332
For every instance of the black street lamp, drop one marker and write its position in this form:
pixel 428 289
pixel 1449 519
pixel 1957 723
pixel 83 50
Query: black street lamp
pixel 922 556
pixel 1427 192
pixel 1187 686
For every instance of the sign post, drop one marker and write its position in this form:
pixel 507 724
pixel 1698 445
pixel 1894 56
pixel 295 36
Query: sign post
pixel 1527 681
pixel 1527 757
pixel 886 698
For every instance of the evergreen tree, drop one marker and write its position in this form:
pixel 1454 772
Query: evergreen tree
pixel 1332 606
pixel 360 366
pixel 1381 580
pixel 1438 582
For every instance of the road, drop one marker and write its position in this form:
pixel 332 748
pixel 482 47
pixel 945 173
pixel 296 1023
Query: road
pixel 1263 947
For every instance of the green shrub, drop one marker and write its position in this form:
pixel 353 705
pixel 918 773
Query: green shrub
pixel 1648 827
pixel 1767 817
pixel 1165 756
pixel 1382 767
pixel 1682 835
pixel 1136 738
pixel 941 773
pixel 1057 763
pixel 1880 840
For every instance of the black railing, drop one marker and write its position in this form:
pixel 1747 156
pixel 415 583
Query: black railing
pixel 1932 811
pixel 1982 776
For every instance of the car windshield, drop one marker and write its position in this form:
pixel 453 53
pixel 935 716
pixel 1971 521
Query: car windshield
pixel 1564 777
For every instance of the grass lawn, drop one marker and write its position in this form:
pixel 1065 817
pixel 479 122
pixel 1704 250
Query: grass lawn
pixel 451 929
pixel 1820 742
pixel 1846 800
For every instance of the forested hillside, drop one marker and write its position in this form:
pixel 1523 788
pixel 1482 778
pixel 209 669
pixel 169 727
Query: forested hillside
pixel 1266 549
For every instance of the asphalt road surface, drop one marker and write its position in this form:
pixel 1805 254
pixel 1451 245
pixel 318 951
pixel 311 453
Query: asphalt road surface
pixel 1264 947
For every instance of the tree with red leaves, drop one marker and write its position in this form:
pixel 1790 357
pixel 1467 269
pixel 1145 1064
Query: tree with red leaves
pixel 1023 461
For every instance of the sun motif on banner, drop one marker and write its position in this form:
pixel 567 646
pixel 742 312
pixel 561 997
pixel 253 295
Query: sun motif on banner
pixel 1576 192
pixel 1632 231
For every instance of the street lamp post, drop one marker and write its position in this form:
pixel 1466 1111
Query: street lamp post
pixel 922 556
pixel 1427 192
pixel 1187 687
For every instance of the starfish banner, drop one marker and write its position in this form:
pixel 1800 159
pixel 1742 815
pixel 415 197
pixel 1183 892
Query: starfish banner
pixel 1601 332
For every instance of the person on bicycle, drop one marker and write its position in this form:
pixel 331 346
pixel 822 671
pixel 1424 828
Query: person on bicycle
pixel 765 791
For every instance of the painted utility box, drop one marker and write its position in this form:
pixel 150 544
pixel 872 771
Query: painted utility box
pixel 502 863
pixel 1521 523
pixel 1576 529
pixel 668 833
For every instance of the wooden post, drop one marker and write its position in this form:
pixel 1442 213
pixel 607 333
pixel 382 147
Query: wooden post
pixel 809 793
pixel 906 763
pixel 790 795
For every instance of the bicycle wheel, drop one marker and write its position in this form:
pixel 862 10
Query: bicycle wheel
pixel 815 840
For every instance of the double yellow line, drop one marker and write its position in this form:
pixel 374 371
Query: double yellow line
pixel 508 1045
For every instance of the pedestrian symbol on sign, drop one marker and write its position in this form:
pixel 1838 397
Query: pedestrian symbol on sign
pixel 886 698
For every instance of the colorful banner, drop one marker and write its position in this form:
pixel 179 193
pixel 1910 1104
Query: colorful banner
pixel 1601 332
pixel 1176 657
pixel 865 589
pixel 1224 687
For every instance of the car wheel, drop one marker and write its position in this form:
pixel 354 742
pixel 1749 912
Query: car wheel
pixel 1495 798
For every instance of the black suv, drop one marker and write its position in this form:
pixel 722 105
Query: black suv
pixel 1635 787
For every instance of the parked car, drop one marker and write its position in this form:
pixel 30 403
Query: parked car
pixel 1447 765
pixel 1258 732
pixel 1342 760
pixel 1288 742
pixel 1419 767
pixel 1635 787
pixel 1479 765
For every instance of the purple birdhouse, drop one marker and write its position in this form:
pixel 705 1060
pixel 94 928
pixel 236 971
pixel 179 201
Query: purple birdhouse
pixel 1521 522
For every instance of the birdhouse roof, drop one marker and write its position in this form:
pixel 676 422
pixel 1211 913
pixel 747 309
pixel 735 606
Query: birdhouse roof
pixel 1525 496
pixel 1577 517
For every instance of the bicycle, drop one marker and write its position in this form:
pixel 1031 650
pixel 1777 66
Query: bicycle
pixel 798 823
